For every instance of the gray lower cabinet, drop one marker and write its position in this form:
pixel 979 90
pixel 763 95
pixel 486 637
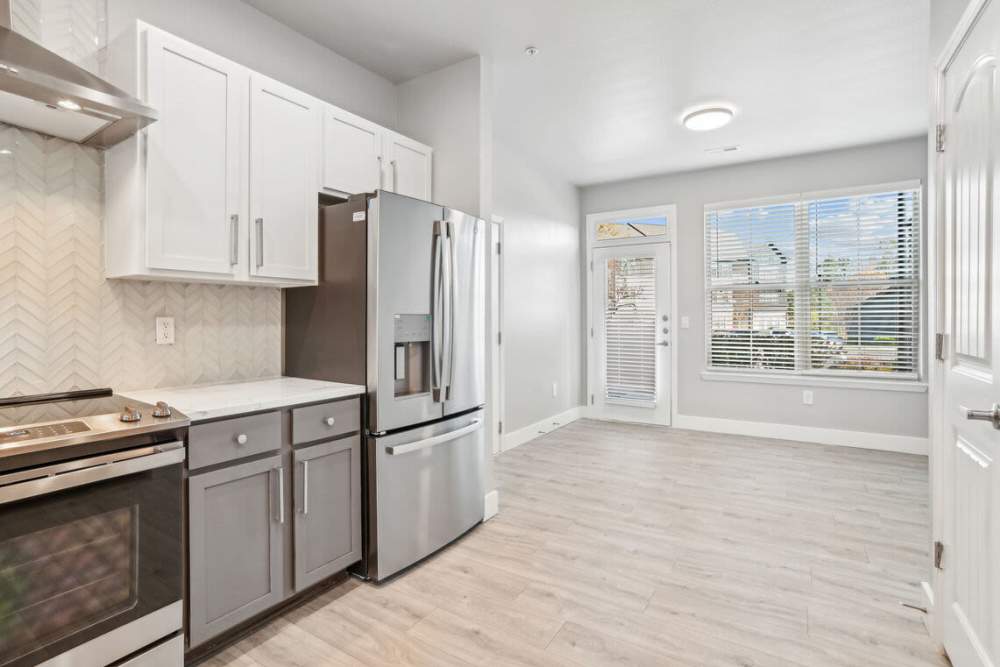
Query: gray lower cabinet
pixel 327 528
pixel 235 545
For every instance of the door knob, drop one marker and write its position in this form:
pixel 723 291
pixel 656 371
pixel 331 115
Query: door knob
pixel 241 439
pixel 329 421
pixel 992 415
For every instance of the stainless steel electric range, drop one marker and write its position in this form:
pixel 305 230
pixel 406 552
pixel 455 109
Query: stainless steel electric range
pixel 91 550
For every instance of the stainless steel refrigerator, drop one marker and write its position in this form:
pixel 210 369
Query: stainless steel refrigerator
pixel 400 308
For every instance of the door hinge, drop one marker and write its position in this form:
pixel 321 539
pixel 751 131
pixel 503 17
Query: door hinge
pixel 591 265
pixel 939 138
pixel 498 247
pixel 500 427
pixel 591 332
pixel 939 341
pixel 499 338
pixel 591 399
pixel 938 555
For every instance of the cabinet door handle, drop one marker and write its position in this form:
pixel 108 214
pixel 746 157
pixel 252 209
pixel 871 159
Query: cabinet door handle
pixel 260 241
pixel 395 179
pixel 281 494
pixel 380 185
pixel 234 232
pixel 329 421
pixel 305 488
pixel 241 439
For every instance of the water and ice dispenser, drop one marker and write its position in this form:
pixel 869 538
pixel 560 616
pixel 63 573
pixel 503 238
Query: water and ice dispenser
pixel 412 349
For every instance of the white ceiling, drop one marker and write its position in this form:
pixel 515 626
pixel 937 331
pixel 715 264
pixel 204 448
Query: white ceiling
pixel 602 99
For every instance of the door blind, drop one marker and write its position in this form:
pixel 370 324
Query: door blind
pixel 827 285
pixel 630 329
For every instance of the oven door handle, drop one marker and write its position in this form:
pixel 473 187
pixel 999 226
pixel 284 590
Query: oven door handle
pixel 49 479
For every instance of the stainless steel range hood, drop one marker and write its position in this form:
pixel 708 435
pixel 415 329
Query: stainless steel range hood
pixel 44 92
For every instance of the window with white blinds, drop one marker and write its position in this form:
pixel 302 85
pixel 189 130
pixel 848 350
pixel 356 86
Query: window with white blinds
pixel 630 329
pixel 820 285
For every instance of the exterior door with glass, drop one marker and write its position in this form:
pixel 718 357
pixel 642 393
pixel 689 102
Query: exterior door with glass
pixel 631 330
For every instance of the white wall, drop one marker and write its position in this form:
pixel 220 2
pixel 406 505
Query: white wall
pixel 884 412
pixel 444 109
pixel 542 264
pixel 241 33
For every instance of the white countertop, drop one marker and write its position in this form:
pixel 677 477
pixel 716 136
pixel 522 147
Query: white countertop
pixel 209 401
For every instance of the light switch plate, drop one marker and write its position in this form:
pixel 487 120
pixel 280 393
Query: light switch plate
pixel 164 331
pixel 807 397
pixel 685 322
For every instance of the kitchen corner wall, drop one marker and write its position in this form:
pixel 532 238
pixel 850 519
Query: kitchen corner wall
pixel 63 326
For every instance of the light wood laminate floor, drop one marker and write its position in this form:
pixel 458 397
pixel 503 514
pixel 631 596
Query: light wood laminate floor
pixel 620 544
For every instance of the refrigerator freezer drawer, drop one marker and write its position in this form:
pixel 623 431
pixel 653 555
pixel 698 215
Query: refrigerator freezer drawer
pixel 429 490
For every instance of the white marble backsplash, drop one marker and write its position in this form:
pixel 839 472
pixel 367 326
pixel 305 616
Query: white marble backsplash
pixel 63 326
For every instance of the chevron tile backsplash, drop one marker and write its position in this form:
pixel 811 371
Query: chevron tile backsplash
pixel 63 326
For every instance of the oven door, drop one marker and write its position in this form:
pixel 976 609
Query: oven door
pixel 89 549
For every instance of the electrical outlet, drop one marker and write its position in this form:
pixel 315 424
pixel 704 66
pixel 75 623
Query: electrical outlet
pixel 555 389
pixel 164 331
pixel 685 322
pixel 807 397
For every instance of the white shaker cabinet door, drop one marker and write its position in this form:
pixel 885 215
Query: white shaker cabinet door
pixel 352 153
pixel 285 137
pixel 409 166
pixel 194 162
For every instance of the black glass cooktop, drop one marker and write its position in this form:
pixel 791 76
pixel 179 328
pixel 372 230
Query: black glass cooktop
pixel 26 410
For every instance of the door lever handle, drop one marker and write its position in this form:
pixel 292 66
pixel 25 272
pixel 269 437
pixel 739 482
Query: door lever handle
pixel 992 415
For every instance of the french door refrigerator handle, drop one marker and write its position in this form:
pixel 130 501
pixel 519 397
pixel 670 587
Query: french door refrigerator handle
pixel 451 308
pixel 427 443
pixel 437 257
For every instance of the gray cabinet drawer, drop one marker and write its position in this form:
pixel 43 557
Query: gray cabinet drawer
pixel 231 439
pixel 325 420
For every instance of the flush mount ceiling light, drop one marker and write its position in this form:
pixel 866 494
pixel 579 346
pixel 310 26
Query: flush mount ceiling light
pixel 69 105
pixel 530 50
pixel 710 118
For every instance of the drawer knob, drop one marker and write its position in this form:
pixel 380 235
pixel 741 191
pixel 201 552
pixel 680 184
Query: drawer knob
pixel 241 439
pixel 329 421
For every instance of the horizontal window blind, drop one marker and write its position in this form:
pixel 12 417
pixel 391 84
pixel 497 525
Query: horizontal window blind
pixel 819 285
pixel 630 329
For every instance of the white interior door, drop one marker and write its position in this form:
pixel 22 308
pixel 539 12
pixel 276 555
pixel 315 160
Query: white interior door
pixel 496 335
pixel 971 450
pixel 632 325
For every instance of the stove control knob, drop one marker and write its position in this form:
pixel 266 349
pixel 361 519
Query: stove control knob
pixel 130 414
pixel 161 409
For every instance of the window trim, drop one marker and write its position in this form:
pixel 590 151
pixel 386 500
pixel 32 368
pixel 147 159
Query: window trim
pixel 912 381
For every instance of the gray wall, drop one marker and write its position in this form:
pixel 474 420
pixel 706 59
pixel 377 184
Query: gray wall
pixel 444 110
pixel 243 34
pixel 875 411
pixel 542 322
pixel 944 18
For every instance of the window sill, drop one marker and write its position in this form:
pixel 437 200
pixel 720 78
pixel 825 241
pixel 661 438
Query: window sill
pixel 911 386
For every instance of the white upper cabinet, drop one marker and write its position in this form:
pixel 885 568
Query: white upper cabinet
pixel 352 152
pixel 409 166
pixel 225 185
pixel 194 162
pixel 284 150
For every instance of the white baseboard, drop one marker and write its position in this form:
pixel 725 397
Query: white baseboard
pixel 824 436
pixel 491 504
pixel 928 591
pixel 532 431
